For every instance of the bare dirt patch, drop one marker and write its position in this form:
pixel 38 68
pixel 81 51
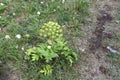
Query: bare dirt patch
pixel 100 29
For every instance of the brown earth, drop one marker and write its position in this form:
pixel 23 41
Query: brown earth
pixel 101 28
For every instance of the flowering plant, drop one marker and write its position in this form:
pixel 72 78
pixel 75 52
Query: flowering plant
pixel 51 30
pixel 54 50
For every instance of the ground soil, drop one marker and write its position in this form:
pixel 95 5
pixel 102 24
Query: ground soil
pixel 100 29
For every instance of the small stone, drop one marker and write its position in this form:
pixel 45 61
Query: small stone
pixel 112 50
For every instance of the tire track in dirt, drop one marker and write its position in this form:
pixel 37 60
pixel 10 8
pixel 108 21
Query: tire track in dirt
pixel 96 40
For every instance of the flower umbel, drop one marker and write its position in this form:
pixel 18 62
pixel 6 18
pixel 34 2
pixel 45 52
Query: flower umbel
pixel 51 30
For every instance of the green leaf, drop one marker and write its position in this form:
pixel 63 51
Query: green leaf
pixel 49 56
pixel 47 70
pixel 30 51
pixel 35 57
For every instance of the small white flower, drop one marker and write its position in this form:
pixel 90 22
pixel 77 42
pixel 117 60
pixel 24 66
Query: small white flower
pixel 14 14
pixel 22 48
pixel 7 37
pixel 41 2
pixel 1 4
pixel 38 13
pixel 0 17
pixel 49 47
pixel 18 36
pixel 27 35
pixel 63 1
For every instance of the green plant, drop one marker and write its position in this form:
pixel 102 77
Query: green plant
pixel 2 7
pixel 46 52
pixel 42 52
pixel 57 51
pixel 82 7
pixel 3 21
pixel 64 51
pixel 47 70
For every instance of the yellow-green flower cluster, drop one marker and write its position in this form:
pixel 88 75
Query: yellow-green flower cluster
pixel 51 30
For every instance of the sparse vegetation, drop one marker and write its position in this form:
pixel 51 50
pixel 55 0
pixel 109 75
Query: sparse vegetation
pixel 27 39
pixel 40 40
